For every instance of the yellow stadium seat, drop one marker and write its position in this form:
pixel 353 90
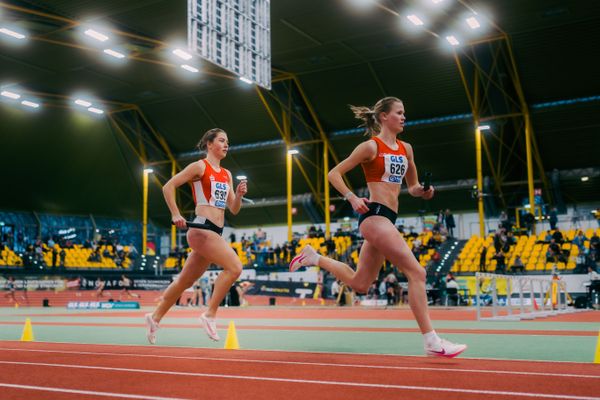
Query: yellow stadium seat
pixel 540 266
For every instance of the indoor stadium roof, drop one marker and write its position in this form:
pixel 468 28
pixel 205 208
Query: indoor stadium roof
pixel 58 160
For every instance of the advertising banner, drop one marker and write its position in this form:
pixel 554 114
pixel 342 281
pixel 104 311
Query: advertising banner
pixel 289 289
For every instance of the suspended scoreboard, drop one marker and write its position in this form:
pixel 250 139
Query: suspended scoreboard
pixel 233 34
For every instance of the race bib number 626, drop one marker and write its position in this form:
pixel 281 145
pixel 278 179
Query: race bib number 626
pixel 395 168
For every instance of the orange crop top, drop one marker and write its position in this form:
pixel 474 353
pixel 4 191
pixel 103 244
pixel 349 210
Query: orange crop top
pixel 388 166
pixel 213 188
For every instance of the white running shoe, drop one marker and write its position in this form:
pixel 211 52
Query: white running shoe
pixel 151 328
pixel 444 348
pixel 306 258
pixel 210 326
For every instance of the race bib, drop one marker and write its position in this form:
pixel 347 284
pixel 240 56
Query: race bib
pixel 218 194
pixel 395 168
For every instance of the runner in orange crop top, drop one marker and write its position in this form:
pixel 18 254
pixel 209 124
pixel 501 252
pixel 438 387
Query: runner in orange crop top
pixel 386 161
pixel 212 188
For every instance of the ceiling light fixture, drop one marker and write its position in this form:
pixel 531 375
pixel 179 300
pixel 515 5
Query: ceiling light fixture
pixel 12 33
pixel 473 23
pixel 10 95
pixel 189 68
pixel 415 20
pixel 83 103
pixel 182 54
pixel 114 53
pixel 452 40
pixel 96 35
pixel 30 104
pixel 95 110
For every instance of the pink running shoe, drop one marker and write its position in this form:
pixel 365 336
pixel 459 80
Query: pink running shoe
pixel 210 326
pixel 151 328
pixel 444 348
pixel 306 258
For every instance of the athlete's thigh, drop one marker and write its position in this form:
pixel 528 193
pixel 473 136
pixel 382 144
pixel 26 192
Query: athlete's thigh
pixel 220 252
pixel 386 239
pixel 195 266
pixel 370 261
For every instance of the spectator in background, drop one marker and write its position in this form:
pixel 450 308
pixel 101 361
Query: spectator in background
pixel 261 235
pixel 500 263
pixel 452 288
pixel 63 257
pixel 373 292
pixel 505 221
pixel 579 241
pixel 232 237
pixel 206 288
pixel 417 242
pixel 553 218
pixel 412 233
pixel 197 294
pixel 391 288
pixel 382 288
pixel 249 254
pixel 285 252
pixel 95 256
pixel 509 240
pixel 277 251
pixel 133 253
pixel 558 237
pixel 592 274
pixel 528 221
pixel 498 239
pixel 594 240
pixel 320 232
pixel 450 224
pixel 482 260
pixel 335 289
pixel 436 286
pixel 575 217
pixel 54 256
pixel 439 220
pixel 451 282
pixel 416 250
pixel 518 266
pixel 594 253
pixel 554 253
pixel 436 239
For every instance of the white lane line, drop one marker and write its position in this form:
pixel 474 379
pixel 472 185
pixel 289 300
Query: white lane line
pixel 86 392
pixel 314 352
pixel 310 381
pixel 317 364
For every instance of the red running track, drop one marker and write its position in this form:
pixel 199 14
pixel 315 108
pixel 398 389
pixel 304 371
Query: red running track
pixel 73 371
pixel 283 313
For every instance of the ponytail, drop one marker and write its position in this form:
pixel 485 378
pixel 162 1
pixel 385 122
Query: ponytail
pixel 370 117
